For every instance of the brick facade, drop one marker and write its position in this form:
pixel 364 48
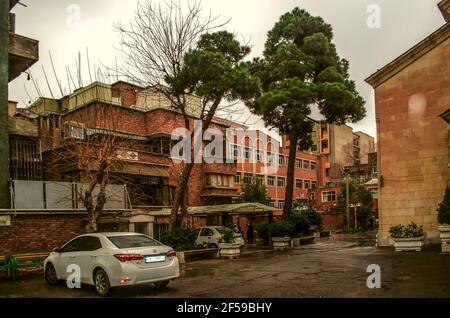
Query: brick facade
pixel 39 232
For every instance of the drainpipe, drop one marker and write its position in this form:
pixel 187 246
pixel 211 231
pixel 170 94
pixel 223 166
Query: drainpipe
pixel 4 78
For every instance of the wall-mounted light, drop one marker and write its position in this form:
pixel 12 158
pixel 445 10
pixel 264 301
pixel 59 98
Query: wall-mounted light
pixel 28 75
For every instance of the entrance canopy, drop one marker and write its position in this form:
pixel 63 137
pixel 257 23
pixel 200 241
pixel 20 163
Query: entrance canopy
pixel 234 208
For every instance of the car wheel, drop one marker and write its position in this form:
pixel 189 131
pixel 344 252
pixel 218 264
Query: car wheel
pixel 101 283
pixel 213 245
pixel 161 284
pixel 50 274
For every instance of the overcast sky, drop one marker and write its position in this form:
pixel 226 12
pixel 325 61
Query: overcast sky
pixel 403 24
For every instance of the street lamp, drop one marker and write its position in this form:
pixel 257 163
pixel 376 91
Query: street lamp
pixel 347 209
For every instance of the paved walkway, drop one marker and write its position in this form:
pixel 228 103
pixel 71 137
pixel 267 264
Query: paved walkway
pixel 334 267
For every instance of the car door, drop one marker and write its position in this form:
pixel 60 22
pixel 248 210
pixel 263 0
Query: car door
pixel 205 236
pixel 86 257
pixel 68 256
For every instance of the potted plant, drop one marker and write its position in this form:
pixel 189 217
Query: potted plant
pixel 444 221
pixel 407 238
pixel 281 231
pixel 227 247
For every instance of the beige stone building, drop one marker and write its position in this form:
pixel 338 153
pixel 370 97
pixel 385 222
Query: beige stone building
pixel 412 140
pixel 341 145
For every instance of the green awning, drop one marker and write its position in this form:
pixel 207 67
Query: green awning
pixel 241 208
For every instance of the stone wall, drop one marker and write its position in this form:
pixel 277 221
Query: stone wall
pixel 413 142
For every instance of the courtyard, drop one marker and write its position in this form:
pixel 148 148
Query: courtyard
pixel 333 267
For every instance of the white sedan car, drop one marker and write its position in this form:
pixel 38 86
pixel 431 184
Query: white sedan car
pixel 212 235
pixel 108 260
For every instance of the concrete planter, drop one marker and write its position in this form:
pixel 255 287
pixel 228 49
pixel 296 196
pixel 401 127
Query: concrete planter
pixel 408 244
pixel 281 243
pixel 444 233
pixel 295 242
pixel 445 237
pixel 229 250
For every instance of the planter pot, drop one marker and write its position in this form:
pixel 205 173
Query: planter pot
pixel 281 243
pixel 444 233
pixel 295 242
pixel 444 230
pixel 229 250
pixel 408 244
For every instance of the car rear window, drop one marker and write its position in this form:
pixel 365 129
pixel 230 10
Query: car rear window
pixel 129 241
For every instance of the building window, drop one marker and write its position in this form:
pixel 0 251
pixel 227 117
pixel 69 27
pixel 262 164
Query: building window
pixel 305 164
pixel 73 131
pixel 298 163
pixel 270 181
pixel 324 145
pixel 219 180
pixel 160 146
pixel 259 155
pixel 236 151
pixel 269 157
pixel 281 204
pixel 248 177
pixel 307 184
pixel 237 178
pixel 272 204
pixel 314 147
pixel 260 178
pixel 312 197
pixel 374 192
pixel 281 181
pixel 313 165
pixel 313 184
pixel 329 196
pixel 281 160
pixel 247 153
pixel 298 183
pixel 324 130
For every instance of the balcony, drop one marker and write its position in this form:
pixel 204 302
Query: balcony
pixel 23 53
pixel 218 192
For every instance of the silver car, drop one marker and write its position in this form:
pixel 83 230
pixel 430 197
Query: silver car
pixel 212 235
pixel 108 260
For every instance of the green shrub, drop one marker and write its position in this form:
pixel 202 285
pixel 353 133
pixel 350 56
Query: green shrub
pixel 263 231
pixel 444 209
pixel 228 235
pixel 313 217
pixel 300 223
pixel 180 239
pixel 406 231
pixel 281 227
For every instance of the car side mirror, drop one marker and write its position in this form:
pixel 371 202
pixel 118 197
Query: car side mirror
pixel 57 250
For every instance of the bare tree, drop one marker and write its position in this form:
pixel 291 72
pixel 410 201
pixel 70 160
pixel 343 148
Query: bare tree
pixel 94 157
pixel 153 47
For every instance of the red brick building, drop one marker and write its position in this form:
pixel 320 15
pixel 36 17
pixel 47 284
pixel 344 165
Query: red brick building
pixel 146 120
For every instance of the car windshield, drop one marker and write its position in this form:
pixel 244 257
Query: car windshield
pixel 129 241
pixel 220 229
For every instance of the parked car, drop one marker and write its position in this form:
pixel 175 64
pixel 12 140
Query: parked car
pixel 108 260
pixel 211 236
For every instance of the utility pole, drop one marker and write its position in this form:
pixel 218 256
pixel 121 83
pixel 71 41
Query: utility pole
pixel 347 208
pixel 4 79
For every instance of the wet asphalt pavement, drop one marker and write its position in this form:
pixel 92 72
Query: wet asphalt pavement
pixel 333 267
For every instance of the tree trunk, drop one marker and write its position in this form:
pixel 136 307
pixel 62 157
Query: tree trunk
pixel 92 222
pixel 293 138
pixel 181 190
